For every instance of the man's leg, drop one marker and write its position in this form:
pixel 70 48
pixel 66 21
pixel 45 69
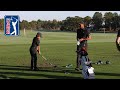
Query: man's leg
pixel 77 47
pixel 32 59
pixel 35 61
pixel 78 63
pixel 78 44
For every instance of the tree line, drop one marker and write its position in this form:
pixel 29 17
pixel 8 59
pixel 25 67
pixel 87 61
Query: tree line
pixel 110 21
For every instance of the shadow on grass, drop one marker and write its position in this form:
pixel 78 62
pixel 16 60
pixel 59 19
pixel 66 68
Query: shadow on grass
pixel 107 74
pixel 18 71
pixel 12 66
pixel 42 69
pixel 35 74
pixel 3 77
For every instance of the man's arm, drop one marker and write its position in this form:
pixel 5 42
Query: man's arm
pixel 118 40
pixel 118 37
pixel 38 49
pixel 38 46
pixel 88 38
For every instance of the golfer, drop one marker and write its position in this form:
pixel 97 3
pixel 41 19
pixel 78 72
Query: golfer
pixel 82 36
pixel 35 47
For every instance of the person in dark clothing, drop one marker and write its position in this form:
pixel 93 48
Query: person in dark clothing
pixel 118 40
pixel 118 37
pixel 83 34
pixel 35 47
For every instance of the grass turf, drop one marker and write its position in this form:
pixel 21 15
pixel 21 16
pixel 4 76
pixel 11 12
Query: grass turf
pixel 59 48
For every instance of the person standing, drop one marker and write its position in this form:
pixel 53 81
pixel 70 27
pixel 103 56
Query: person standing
pixel 34 49
pixel 118 37
pixel 118 40
pixel 83 34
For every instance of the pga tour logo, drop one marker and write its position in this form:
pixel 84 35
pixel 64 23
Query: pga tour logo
pixel 11 25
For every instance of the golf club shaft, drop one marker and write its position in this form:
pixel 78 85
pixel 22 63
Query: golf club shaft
pixel 43 57
pixel 46 59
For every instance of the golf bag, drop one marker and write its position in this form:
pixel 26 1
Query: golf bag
pixel 87 69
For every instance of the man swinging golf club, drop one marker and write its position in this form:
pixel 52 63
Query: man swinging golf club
pixel 35 47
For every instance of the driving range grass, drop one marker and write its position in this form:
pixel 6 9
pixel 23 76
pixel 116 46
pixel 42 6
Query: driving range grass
pixel 59 48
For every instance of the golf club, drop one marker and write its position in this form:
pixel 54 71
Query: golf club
pixel 46 59
pixel 43 57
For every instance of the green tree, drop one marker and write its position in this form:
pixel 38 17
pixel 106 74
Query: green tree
pixel 33 24
pixel 1 24
pixel 24 24
pixel 87 20
pixel 71 23
pixel 98 20
pixel 118 21
pixel 39 22
pixel 115 21
pixel 54 24
pixel 108 20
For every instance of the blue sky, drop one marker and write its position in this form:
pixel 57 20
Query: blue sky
pixel 49 15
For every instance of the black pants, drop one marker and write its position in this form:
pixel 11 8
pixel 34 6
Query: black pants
pixel 78 63
pixel 33 59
